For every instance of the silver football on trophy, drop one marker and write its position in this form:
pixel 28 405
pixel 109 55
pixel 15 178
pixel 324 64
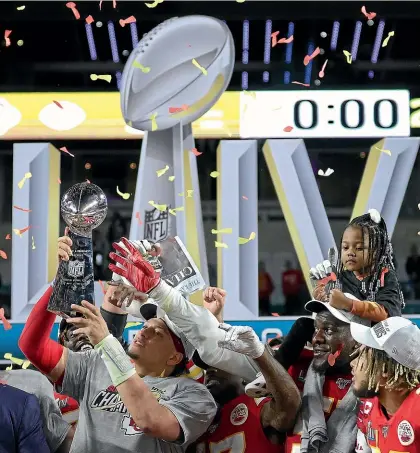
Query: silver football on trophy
pixel 84 207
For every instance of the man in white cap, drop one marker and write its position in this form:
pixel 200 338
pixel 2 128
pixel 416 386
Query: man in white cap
pixel 387 371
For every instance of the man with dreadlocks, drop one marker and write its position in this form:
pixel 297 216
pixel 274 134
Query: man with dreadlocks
pixel 387 370
pixel 365 269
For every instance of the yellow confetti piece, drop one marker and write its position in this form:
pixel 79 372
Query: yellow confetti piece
pixel 125 196
pixel 33 243
pixel 23 363
pixel 242 241
pixel 240 1
pixel 154 4
pixel 162 171
pixel 214 174
pixel 21 8
pixel 133 324
pixel 386 40
pixel 23 180
pixel 386 151
pixel 222 231
pixel 171 178
pixel 190 193
pixel 181 194
pixel 220 245
pixel 348 56
pixel 159 207
pixel 26 364
pixel 144 69
pixel 153 120
pixel 175 210
pixel 197 65
pixel 106 77
pixel 17 232
pixel 252 94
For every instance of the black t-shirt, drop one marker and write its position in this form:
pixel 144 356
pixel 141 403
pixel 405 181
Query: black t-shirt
pixel 388 295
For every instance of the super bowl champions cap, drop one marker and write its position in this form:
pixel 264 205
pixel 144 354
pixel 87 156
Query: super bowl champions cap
pixel 397 336
pixel 316 306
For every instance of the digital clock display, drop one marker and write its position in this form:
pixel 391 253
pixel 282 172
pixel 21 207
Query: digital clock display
pixel 341 113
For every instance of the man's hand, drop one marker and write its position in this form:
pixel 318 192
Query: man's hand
pixel 241 339
pixel 340 301
pixel 125 294
pixel 91 323
pixel 214 301
pixel 134 267
pixel 64 247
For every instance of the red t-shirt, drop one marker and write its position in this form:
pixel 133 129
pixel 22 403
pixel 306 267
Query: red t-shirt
pixel 239 429
pixel 69 408
pixel 292 282
pixel 335 389
pixel 398 434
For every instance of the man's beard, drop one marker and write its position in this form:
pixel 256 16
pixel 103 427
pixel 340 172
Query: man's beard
pixel 132 355
pixel 364 392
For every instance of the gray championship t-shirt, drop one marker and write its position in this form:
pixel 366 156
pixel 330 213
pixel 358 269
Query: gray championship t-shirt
pixel 55 427
pixel 105 426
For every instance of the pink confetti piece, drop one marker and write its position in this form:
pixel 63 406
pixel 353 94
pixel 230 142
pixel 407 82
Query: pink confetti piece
pixel 322 71
pixel 102 287
pixel 72 6
pixel 6 323
pixel 286 40
pixel 64 150
pixel 23 230
pixel 114 3
pixel 100 5
pixel 308 58
pixel 196 152
pixel 369 16
pixel 3 254
pixel 22 209
pixel 58 104
pixel 89 19
pixel 288 129
pixel 275 314
pixel 129 20
pixel 138 218
pixel 178 109
pixel 59 180
pixel 274 38
pixel 300 83
pixel 244 197
pixel 6 37
pixel 8 236
pixel 87 180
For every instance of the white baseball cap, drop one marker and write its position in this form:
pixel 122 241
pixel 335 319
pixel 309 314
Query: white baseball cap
pixel 316 306
pixel 397 336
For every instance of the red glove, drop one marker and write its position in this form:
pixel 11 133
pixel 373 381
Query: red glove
pixel 136 269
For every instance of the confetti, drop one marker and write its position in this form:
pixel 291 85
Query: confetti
pixel 285 40
pixel 6 37
pixel 21 183
pixel 162 171
pixel 386 40
pixel 133 324
pixel 3 255
pixel 221 245
pixel 308 58
pixel 275 314
pixel 274 38
pixel 153 120
pixel 321 73
pixel 196 152
pixel 242 241
pixel 144 69
pixel 15 360
pixel 252 94
pixel 197 65
pixel 102 286
pixel 89 19
pixel 8 236
pixel 154 4
pixel 300 83
pixel 244 197
pixel 386 151
pixel 171 178
pixel 106 77
pixel 240 1
pixel 288 129
pixel 125 196
pixel 214 174
pixel 23 230
pixel 222 231
pixel 6 323
pixel 138 218
pixel 129 20
pixel 59 180
pixel 159 207
pixel 175 210
pixel 88 181
pixel 369 16
pixel 21 8
pixel 65 150
pixel 328 172
pixel 33 243
pixel 22 209
pixel 72 6
pixel 348 56
pixel 178 109
pixel 58 104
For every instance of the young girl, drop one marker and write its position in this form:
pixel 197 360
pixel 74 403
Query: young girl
pixel 366 270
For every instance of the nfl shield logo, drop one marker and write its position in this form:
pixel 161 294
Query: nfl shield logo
pixel 76 269
pixel 156 225
pixel 385 430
